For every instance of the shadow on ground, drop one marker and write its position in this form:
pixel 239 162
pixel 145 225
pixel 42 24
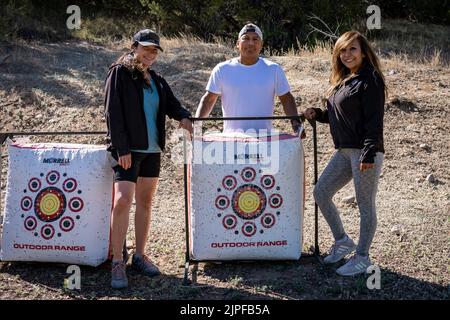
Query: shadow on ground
pixel 306 278
pixel 310 279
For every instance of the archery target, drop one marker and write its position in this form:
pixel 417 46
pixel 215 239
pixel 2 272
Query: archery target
pixel 242 210
pixel 58 204
pixel 50 204
pixel 249 201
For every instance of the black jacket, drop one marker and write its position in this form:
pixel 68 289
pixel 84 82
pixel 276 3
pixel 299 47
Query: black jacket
pixel 124 109
pixel 355 113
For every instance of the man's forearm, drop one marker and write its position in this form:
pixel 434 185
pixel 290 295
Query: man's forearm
pixel 288 102
pixel 290 109
pixel 205 105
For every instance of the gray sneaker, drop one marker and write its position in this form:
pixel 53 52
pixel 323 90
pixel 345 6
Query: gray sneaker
pixel 355 265
pixel 144 265
pixel 119 278
pixel 340 249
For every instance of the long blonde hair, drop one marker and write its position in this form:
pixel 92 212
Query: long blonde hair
pixel 339 72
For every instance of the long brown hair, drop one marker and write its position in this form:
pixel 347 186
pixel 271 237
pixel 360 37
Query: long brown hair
pixel 339 72
pixel 129 60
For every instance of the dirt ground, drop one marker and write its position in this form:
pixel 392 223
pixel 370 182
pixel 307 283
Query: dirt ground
pixel 59 87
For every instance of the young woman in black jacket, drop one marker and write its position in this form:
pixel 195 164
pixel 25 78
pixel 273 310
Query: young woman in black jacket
pixel 137 100
pixel 355 111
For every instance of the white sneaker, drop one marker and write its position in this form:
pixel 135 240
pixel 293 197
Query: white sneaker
pixel 356 265
pixel 340 249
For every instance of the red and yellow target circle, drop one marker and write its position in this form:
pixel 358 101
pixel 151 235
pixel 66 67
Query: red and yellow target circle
pixel 50 204
pixel 249 201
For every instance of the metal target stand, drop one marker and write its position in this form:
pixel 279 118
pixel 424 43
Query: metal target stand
pixel 315 252
pixel 188 260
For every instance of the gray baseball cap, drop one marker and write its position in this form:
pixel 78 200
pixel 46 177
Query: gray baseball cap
pixel 250 27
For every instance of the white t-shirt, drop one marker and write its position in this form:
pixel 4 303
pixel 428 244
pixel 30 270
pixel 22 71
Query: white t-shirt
pixel 248 91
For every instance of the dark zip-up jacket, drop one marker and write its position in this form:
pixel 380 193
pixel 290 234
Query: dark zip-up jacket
pixel 355 113
pixel 124 109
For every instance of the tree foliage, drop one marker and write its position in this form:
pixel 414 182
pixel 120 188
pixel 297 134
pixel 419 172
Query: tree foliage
pixel 285 23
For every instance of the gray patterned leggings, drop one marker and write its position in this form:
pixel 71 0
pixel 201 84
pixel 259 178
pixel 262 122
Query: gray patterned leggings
pixel 343 166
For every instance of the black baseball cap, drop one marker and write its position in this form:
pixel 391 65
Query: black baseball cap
pixel 147 37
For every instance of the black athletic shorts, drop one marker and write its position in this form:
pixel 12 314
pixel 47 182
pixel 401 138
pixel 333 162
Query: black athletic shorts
pixel 145 165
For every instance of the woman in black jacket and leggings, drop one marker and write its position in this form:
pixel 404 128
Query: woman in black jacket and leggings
pixel 355 110
pixel 137 100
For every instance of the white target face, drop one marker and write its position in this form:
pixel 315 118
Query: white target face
pixel 48 208
pixel 246 195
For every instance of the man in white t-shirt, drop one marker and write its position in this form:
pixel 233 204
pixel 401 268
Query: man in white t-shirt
pixel 248 86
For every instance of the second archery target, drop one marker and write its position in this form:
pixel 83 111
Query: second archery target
pixel 246 209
